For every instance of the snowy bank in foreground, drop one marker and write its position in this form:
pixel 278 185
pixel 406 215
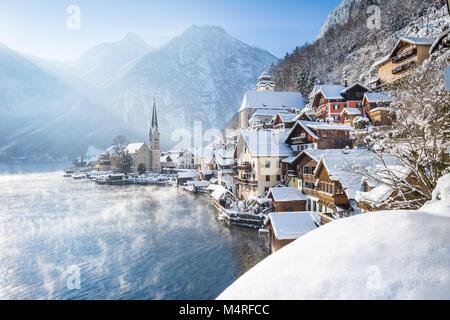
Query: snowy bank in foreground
pixel 440 205
pixel 381 255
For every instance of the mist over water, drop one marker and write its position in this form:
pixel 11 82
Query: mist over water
pixel 131 242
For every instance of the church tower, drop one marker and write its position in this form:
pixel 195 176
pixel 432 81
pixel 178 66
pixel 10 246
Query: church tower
pixel 155 147
pixel 265 82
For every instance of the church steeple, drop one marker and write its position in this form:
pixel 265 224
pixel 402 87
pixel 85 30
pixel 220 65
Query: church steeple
pixel 155 148
pixel 154 116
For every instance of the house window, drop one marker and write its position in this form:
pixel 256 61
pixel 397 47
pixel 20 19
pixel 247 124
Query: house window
pixel 278 177
pixel 268 178
pixel 337 118
pixel 336 107
pixel 267 164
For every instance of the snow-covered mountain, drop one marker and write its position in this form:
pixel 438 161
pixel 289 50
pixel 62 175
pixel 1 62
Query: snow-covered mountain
pixel 41 115
pixel 200 75
pixel 60 109
pixel 101 64
pixel 340 15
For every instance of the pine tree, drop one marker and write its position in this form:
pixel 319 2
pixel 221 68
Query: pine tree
pixel 306 81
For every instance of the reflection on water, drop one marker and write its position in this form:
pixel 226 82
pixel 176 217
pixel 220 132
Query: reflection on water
pixel 130 242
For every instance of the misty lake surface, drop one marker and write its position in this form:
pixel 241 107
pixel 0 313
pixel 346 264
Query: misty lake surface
pixel 131 242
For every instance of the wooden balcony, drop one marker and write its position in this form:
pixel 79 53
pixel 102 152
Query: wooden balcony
pixel 406 54
pixel 310 192
pixel 336 199
pixel 308 177
pixel 244 167
pixel 245 181
pixel 403 67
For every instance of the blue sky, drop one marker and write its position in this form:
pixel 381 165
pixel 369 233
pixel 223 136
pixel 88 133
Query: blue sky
pixel 39 27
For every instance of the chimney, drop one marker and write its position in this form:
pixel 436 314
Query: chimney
pixel 345 82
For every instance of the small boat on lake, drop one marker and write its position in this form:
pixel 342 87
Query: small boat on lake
pixel 113 180
pixel 79 176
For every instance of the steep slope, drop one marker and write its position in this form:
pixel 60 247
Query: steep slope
pixel 340 15
pixel 199 75
pixel 101 64
pixel 42 117
pixel 347 47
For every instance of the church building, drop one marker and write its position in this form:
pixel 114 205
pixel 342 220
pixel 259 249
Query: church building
pixel 154 143
pixel 264 100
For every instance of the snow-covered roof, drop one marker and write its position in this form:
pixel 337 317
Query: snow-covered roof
pixel 351 111
pixel 188 174
pixel 286 194
pixel 314 91
pixel 201 184
pixel 111 151
pixel 349 166
pixel 291 225
pixel 380 61
pixel 438 40
pixel 412 40
pixel 266 143
pixel 377 97
pixel 272 100
pixel 287 117
pixel 353 85
pixel 289 159
pixel 380 109
pixel 219 191
pixel 134 147
pixel 380 180
pixel 392 255
pixel 418 41
pixel 270 112
pixel 332 91
pixel 308 125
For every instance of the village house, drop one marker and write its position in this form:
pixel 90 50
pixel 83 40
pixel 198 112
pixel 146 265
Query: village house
pixel 184 159
pixel 319 135
pixel 140 153
pixel 206 162
pixel 112 155
pixel 224 167
pixel 407 53
pixel 103 163
pixel 350 115
pixel 258 156
pixel 377 107
pixel 378 192
pixel 263 118
pixel 286 227
pixel 286 199
pixel 285 121
pixel 167 164
pixel 298 172
pixel 265 98
pixel 187 176
pixel 330 101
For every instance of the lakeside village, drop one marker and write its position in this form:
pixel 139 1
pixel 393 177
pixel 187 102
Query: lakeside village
pixel 285 166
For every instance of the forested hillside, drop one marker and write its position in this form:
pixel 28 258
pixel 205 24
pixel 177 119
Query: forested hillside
pixel 347 47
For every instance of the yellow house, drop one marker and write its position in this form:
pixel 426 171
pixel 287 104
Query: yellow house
pixel 258 156
pixel 407 53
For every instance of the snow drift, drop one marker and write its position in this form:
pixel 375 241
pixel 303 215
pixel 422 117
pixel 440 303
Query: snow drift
pixel 380 255
pixel 384 255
